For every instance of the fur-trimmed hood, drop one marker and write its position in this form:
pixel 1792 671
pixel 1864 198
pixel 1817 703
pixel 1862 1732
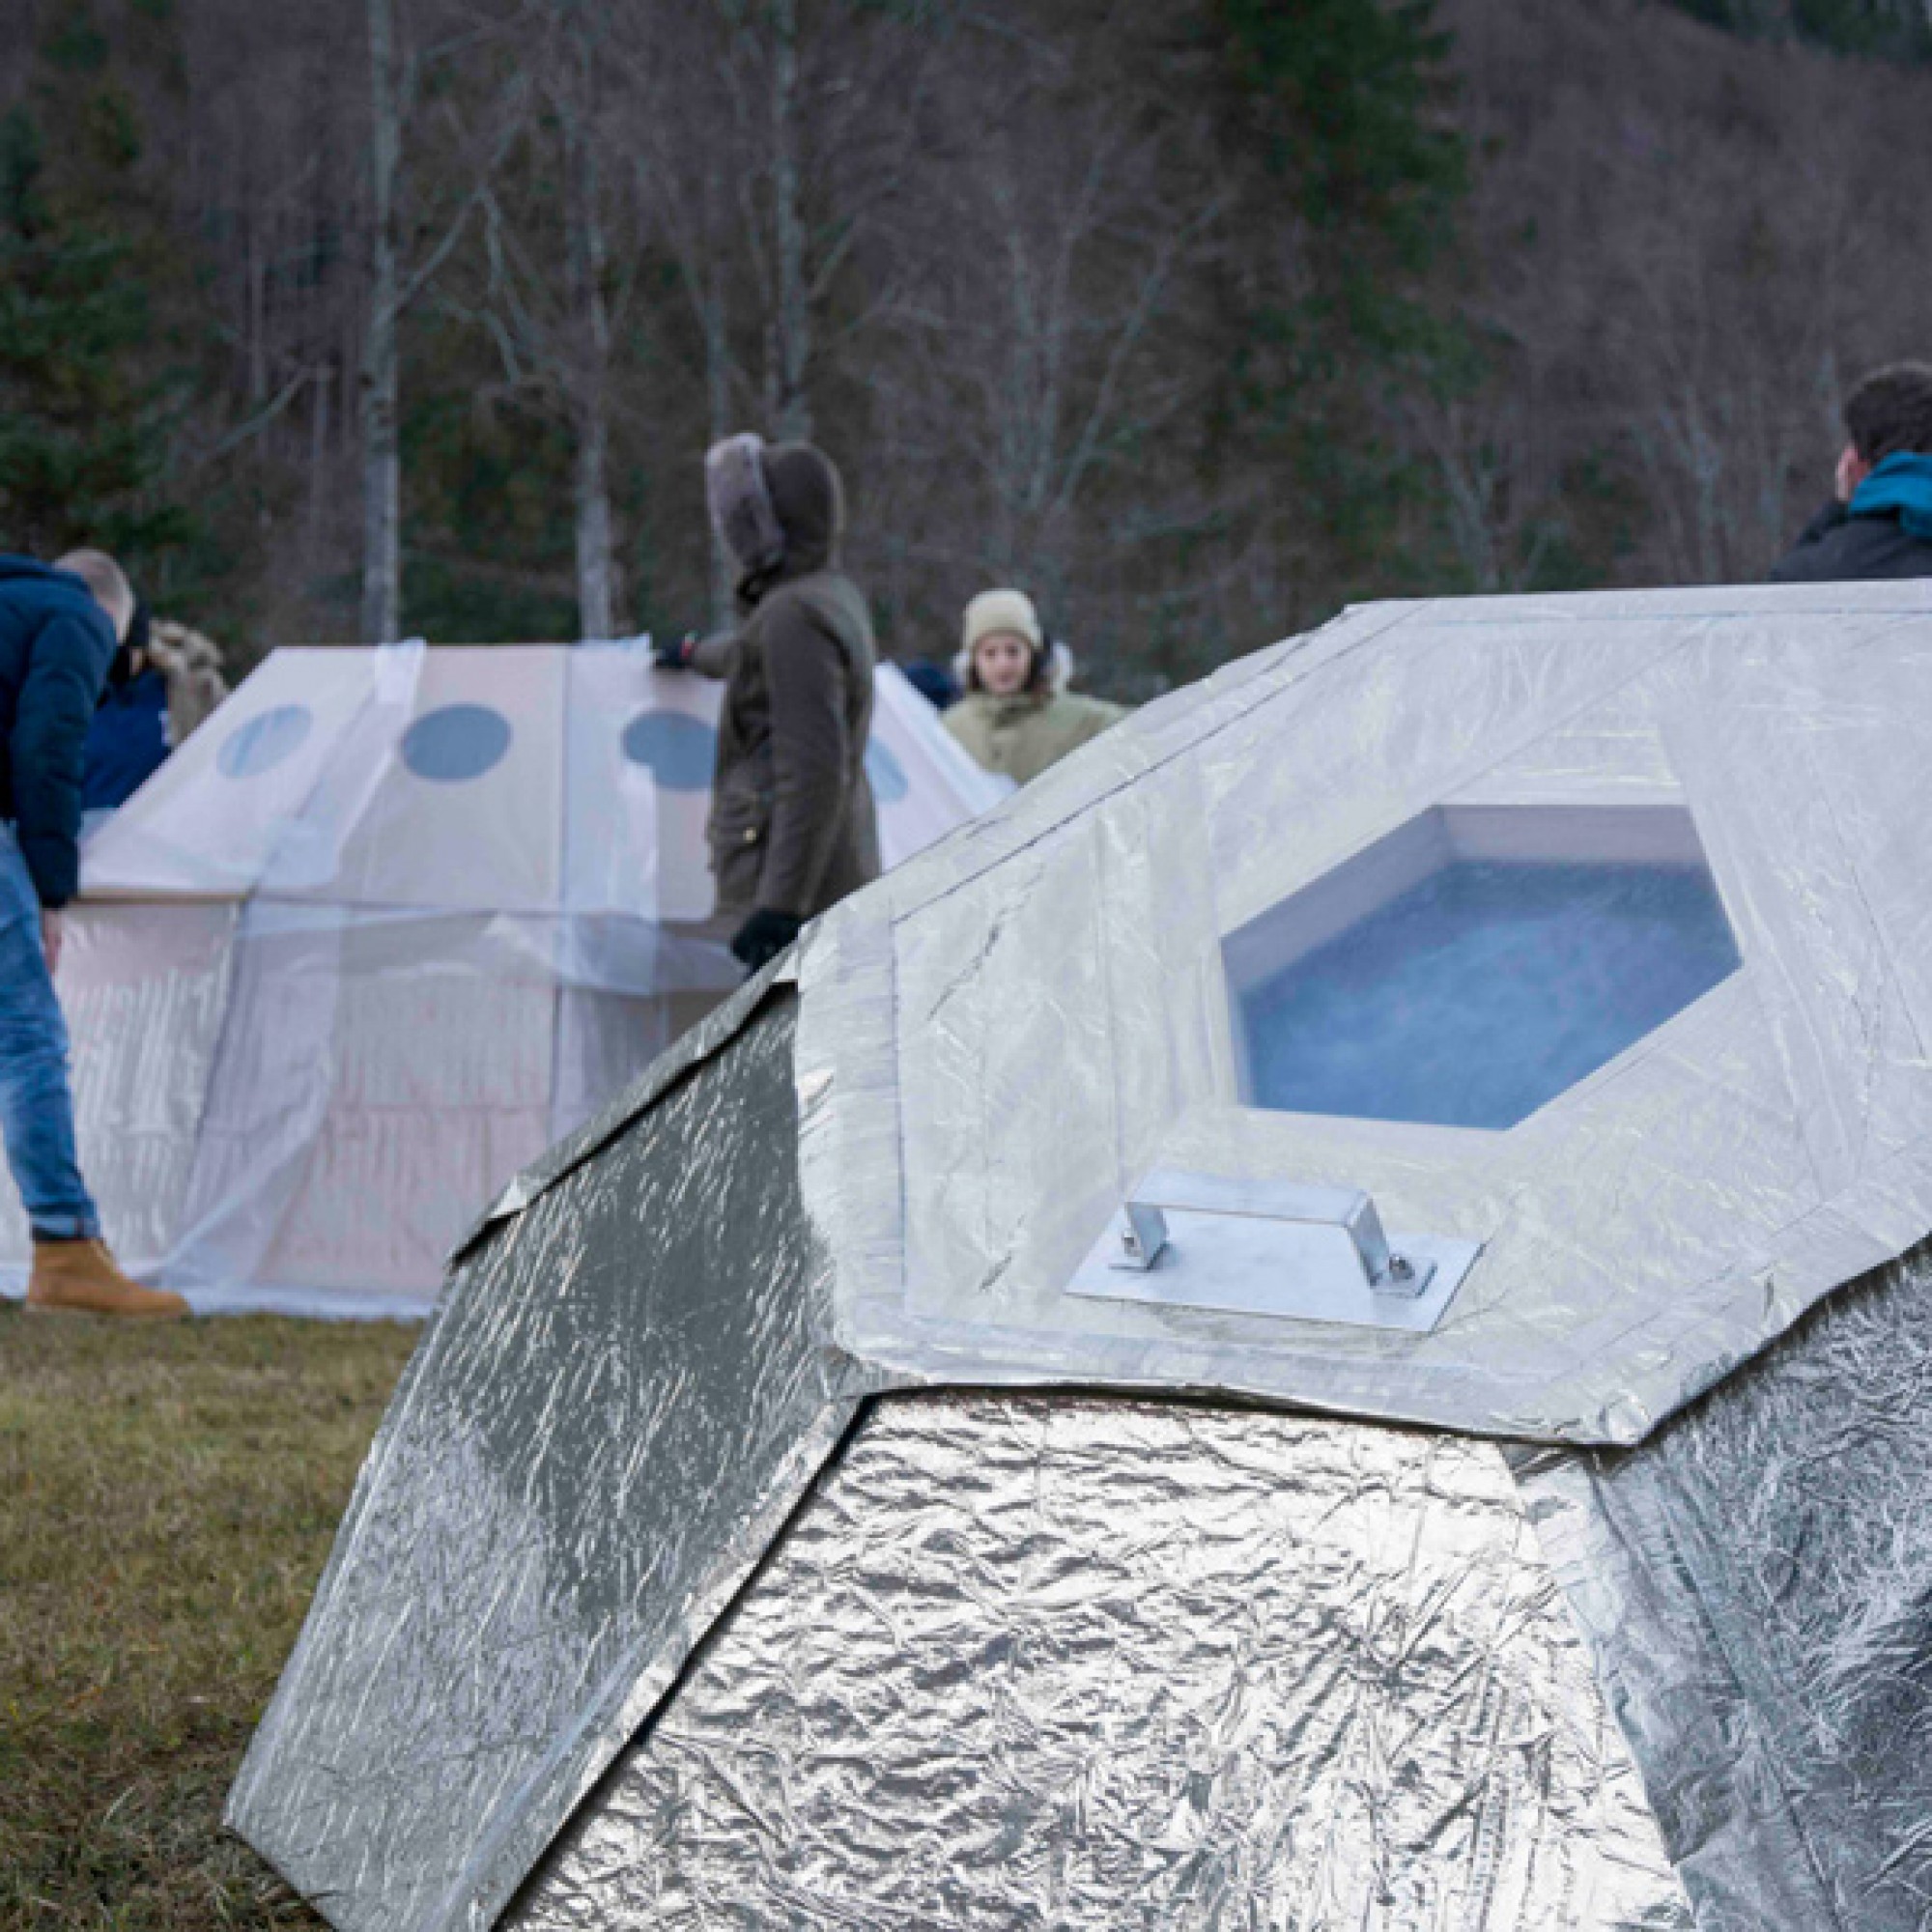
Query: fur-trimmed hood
pixel 190 663
pixel 180 651
pixel 780 509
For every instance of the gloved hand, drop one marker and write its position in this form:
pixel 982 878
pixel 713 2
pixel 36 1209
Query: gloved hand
pixel 675 653
pixel 764 936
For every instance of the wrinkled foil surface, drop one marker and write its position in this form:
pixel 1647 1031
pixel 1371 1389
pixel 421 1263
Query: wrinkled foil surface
pixel 1757 1582
pixel 1062 1663
pixel 604 1429
pixel 1003 1036
pixel 1209 1667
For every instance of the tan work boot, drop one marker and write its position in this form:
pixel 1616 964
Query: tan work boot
pixel 83 1278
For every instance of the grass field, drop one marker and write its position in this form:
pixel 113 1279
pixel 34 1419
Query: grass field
pixel 167 1498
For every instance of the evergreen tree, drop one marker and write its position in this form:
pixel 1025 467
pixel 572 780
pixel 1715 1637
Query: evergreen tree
pixel 91 385
pixel 1899 30
pixel 1339 123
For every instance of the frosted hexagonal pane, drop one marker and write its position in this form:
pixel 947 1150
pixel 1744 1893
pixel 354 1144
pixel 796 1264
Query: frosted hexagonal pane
pixel 1476 964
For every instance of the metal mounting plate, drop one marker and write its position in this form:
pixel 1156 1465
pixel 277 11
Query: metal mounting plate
pixel 1277 1250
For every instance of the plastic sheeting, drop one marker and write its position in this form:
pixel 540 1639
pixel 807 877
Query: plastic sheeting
pixel 381 1073
pixel 1048 1663
pixel 391 924
pixel 146 989
pixel 1757 1582
pixel 1644 1231
pixel 620 1401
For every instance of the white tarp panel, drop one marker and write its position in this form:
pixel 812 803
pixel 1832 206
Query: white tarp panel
pixel 466 776
pixel 459 808
pixel 207 822
pixel 378 1076
pixel 640 760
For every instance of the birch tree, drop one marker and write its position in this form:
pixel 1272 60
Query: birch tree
pixel 382 448
pixel 1040 362
pixel 589 370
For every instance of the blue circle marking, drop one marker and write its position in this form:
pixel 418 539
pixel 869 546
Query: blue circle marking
pixel 680 751
pixel 889 783
pixel 264 741
pixel 456 743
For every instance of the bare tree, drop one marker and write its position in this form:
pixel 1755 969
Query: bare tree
pixel 788 318
pixel 381 446
pixel 396 70
pixel 589 371
pixel 1039 357
pixel 769 156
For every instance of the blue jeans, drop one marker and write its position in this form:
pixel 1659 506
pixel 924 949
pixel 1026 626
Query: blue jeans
pixel 36 1104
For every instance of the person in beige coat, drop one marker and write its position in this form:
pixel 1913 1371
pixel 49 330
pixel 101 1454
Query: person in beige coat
pixel 1018 716
pixel 793 827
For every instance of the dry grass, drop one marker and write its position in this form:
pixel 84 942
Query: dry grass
pixel 167 1498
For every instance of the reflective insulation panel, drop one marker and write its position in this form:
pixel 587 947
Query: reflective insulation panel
pixel 1064 1662
pixel 1702 1102
pixel 616 1406
pixel 1087 1646
pixel 1756 1580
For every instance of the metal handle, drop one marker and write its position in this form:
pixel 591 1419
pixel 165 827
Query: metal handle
pixel 1141 1232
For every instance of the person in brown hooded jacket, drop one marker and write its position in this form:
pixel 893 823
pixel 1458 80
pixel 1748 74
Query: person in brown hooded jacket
pixel 792 826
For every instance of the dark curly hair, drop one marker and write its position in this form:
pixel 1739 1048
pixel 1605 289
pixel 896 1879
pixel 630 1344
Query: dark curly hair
pixel 1889 413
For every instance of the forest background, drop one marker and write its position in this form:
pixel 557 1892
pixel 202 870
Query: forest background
pixel 1198 318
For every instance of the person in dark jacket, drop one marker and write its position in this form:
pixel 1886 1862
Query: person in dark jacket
pixel 164 684
pixel 792 826
pixel 1879 523
pixel 59 629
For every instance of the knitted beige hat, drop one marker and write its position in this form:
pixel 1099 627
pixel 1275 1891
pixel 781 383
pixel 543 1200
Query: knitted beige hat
pixel 996 611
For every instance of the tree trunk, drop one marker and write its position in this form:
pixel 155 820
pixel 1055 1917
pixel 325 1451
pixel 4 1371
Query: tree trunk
pixel 316 528
pixel 792 320
pixel 718 398
pixel 596 589
pixel 382 458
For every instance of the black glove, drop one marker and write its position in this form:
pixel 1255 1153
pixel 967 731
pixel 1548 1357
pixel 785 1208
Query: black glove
pixel 764 936
pixel 675 653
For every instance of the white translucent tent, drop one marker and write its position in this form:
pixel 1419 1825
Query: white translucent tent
pixel 387 925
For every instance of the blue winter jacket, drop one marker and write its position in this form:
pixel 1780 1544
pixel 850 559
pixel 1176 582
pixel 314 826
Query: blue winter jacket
pixel 128 742
pixel 1901 487
pixel 55 647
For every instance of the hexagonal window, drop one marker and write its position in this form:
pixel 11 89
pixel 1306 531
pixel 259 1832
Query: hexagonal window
pixel 1471 967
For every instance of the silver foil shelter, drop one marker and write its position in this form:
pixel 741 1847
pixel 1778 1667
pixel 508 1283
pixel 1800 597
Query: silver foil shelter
pixel 1317 1324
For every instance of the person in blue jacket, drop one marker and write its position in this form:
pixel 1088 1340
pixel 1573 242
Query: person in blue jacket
pixel 59 629
pixel 127 737
pixel 164 684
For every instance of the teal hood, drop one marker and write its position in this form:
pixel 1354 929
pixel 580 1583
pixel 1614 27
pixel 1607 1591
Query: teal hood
pixel 1901 487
